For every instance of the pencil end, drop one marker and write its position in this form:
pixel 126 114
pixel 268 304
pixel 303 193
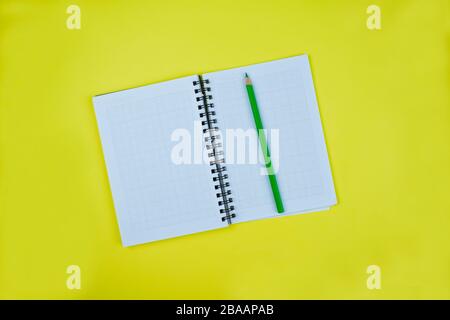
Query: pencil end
pixel 247 79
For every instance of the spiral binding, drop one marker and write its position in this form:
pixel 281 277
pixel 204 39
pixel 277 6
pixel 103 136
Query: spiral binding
pixel 214 146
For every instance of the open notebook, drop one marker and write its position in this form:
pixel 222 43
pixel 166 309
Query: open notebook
pixel 157 197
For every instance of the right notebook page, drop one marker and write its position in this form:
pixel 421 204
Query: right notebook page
pixel 290 114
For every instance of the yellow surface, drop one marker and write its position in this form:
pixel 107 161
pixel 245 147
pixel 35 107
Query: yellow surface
pixel 384 99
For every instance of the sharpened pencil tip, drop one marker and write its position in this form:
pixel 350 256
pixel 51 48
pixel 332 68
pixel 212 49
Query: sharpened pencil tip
pixel 247 79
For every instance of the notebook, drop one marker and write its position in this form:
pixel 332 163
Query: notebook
pixel 179 158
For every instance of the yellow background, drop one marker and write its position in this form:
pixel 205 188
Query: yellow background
pixel 384 101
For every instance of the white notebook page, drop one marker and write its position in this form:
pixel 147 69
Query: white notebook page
pixel 153 197
pixel 287 102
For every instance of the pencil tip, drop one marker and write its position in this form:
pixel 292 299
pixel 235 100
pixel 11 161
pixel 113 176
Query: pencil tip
pixel 247 79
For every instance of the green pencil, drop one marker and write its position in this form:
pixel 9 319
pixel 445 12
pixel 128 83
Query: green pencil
pixel 263 143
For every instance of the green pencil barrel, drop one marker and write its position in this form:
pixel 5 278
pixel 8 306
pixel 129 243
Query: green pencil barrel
pixel 265 149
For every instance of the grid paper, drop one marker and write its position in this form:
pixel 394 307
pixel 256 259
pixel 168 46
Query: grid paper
pixel 154 198
pixel 287 102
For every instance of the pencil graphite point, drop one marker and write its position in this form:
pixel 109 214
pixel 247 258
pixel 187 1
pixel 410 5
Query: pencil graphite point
pixel 248 81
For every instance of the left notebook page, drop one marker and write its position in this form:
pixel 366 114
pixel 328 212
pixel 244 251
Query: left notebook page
pixel 154 196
